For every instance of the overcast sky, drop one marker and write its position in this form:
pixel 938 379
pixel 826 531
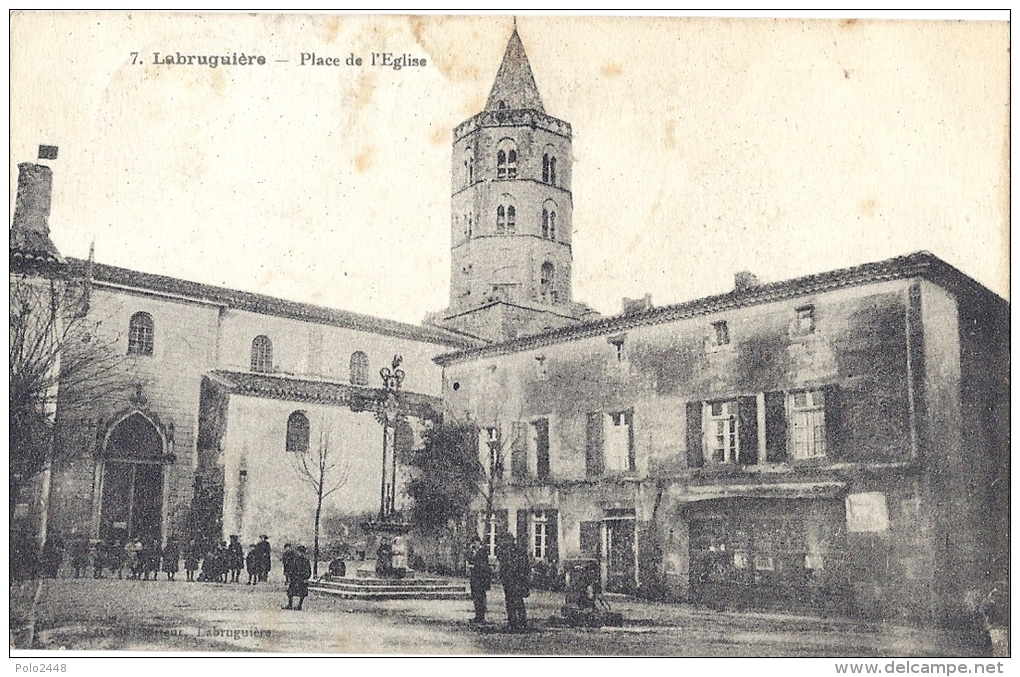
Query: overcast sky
pixel 701 147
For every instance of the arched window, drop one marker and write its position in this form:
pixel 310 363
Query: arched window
pixel 359 368
pixel 547 282
pixel 506 215
pixel 501 164
pixel 549 165
pixel 549 220
pixel 506 159
pixel 140 334
pixel 298 431
pixel 262 355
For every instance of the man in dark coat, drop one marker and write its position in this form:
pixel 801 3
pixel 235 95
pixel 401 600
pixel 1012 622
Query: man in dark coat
pixel 235 558
pixel 297 581
pixel 264 557
pixel 515 574
pixel 480 576
pixel 251 563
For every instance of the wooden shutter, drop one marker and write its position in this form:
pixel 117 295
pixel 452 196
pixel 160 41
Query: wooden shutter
pixel 519 450
pixel 834 448
pixel 523 533
pixel 594 453
pixel 631 449
pixel 542 448
pixel 552 543
pixel 775 427
pixel 591 539
pixel 695 441
pixel 502 524
pixel 747 430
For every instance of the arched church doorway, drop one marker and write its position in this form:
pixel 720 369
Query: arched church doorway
pixel 132 485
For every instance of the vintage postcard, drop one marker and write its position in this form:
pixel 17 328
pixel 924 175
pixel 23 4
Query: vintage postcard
pixel 495 335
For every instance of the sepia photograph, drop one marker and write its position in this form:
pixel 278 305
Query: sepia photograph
pixel 493 335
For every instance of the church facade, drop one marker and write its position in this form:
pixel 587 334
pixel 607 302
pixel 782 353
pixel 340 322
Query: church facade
pixel 834 441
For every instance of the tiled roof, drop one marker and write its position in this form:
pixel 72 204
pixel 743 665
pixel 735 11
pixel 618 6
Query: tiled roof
pixel 919 264
pixel 268 305
pixel 292 389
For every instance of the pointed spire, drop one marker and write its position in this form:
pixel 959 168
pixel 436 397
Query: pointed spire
pixel 515 86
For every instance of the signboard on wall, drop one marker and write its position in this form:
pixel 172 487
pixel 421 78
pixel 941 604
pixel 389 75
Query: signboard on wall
pixel 866 512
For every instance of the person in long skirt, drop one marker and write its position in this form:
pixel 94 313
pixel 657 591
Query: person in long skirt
pixel 171 559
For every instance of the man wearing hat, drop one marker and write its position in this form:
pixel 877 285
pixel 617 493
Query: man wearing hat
pixel 515 574
pixel 297 582
pixel 264 557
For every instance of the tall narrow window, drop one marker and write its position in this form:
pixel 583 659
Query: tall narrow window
pixel 140 334
pixel 721 431
pixel 540 534
pixel 545 222
pixel 545 168
pixel 506 159
pixel 511 220
pixel 547 283
pixel 807 423
pixel 500 220
pixel 721 333
pixel 552 225
pixel 262 355
pixel 501 164
pixel 297 433
pixel 619 441
pixel 359 368
pixel 552 171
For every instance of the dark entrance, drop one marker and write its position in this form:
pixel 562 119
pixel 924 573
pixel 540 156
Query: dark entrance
pixel 132 501
pixel 620 554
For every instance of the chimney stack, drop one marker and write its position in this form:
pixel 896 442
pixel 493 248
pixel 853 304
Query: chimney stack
pixel 634 306
pixel 745 280
pixel 30 229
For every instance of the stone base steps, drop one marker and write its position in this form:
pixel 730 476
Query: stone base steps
pixel 387 589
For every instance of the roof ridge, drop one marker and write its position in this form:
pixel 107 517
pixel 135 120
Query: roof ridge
pixel 263 303
pixel 907 265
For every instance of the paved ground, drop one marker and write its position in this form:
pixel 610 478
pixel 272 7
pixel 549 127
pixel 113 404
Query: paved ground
pixel 126 615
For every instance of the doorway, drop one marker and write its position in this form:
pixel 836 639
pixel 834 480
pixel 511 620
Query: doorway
pixel 132 483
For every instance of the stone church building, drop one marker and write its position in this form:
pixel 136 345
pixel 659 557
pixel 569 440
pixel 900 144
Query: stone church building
pixel 837 440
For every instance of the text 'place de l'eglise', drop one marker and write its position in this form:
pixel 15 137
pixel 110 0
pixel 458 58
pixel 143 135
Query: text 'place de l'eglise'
pixel 835 440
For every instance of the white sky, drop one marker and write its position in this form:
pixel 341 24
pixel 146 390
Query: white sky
pixel 701 147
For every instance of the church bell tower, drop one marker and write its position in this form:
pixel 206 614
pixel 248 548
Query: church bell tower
pixel 512 215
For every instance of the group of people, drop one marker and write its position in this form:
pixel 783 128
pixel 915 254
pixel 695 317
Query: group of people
pixel 225 562
pixel 514 574
pixel 143 559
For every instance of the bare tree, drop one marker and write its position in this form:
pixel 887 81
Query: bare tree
pixel 326 470
pixel 57 356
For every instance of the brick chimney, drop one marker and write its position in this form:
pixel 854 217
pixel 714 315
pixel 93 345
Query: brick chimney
pixel 634 306
pixel 30 242
pixel 745 280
